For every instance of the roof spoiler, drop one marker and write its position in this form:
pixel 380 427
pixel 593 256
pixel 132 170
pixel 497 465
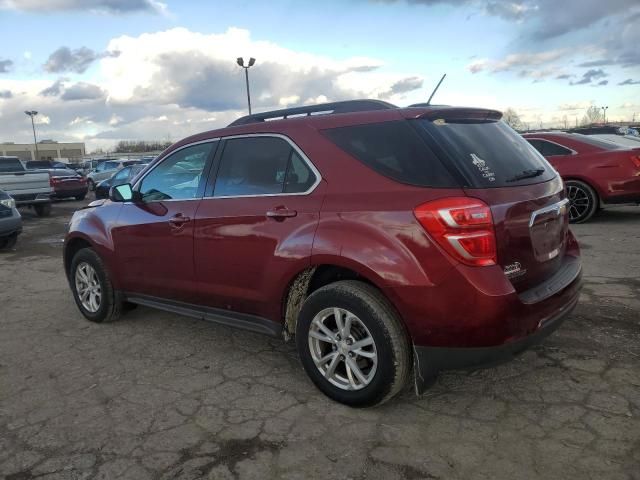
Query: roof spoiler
pixel 454 113
pixel 348 106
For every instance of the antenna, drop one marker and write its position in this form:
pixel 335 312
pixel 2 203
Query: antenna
pixel 436 89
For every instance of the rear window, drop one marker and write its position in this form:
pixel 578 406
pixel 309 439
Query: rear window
pixel 34 164
pixel 10 165
pixel 594 142
pixel 395 150
pixel 487 152
pixel 63 172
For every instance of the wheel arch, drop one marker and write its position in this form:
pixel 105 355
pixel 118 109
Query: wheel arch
pixel 594 187
pixel 305 282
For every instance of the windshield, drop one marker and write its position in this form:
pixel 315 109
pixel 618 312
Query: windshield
pixel 488 153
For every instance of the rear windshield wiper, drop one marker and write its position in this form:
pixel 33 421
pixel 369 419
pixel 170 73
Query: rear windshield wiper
pixel 536 172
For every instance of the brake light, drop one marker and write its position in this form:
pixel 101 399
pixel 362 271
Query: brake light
pixel 463 227
pixel 53 181
pixel 636 160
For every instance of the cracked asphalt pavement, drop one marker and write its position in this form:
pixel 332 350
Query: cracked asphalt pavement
pixel 156 395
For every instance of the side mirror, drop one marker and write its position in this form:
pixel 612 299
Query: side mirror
pixel 123 193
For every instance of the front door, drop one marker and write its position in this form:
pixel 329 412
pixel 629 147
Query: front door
pixel 256 225
pixel 154 236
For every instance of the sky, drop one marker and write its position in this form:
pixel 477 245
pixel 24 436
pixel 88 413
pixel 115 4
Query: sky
pixel 101 71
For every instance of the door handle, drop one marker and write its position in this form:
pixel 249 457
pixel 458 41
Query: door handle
pixel 178 220
pixel 281 213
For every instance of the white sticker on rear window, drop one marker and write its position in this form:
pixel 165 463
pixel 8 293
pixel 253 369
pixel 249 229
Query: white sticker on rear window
pixel 484 169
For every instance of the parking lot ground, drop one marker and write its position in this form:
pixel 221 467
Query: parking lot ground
pixel 156 395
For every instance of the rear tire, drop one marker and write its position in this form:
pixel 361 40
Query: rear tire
pixel 43 209
pixel 583 201
pixel 80 197
pixel 86 264
pixel 378 366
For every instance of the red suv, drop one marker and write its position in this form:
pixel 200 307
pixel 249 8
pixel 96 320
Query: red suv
pixel 382 238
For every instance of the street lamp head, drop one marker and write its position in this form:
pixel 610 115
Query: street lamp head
pixel 31 113
pixel 252 61
pixel 240 61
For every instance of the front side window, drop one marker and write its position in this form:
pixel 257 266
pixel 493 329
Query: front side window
pixel 261 166
pixel 177 177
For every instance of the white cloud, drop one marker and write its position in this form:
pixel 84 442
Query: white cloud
pixel 516 61
pixel 177 82
pixel 198 70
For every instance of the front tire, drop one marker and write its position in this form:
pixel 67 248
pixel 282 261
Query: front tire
pixel 9 242
pixel 583 201
pixel 92 289
pixel 352 344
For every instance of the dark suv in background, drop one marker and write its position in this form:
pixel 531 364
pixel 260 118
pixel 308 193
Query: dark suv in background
pixel 382 238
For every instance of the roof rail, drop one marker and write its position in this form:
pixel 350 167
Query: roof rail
pixel 322 108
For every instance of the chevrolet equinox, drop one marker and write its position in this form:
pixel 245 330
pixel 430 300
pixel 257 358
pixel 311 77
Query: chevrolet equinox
pixel 385 240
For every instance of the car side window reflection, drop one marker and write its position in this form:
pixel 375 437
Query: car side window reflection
pixel 122 175
pixel 178 177
pixel 261 166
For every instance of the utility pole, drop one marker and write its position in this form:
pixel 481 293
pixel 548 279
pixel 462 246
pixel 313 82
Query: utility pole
pixel 33 113
pixel 252 61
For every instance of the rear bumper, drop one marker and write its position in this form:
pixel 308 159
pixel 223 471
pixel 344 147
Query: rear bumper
pixel 428 361
pixel 76 192
pixel 31 198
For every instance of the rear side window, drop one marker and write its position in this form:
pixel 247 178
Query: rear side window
pixel 261 166
pixel 395 150
pixel 548 149
pixel 489 153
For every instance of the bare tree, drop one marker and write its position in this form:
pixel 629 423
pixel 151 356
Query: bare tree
pixel 592 115
pixel 511 117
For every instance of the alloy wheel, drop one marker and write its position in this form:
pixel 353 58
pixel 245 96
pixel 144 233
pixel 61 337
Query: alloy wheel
pixel 88 287
pixel 343 349
pixel 579 202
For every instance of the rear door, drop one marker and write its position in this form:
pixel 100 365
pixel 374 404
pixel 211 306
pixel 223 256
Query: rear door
pixel 154 236
pixel 255 226
pixel 526 196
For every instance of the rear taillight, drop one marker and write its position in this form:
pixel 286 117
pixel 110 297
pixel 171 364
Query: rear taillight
pixel 636 160
pixel 463 227
pixel 53 181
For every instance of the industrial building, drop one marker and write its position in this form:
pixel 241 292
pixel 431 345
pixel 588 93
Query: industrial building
pixel 47 150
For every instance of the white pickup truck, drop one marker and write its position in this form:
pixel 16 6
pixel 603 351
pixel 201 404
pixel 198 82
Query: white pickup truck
pixel 27 187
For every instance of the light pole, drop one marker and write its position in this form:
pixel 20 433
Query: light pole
pixel 33 113
pixel 604 111
pixel 252 61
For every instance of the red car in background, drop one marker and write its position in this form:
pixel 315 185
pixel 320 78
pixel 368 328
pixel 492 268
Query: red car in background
pixel 66 183
pixel 594 171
